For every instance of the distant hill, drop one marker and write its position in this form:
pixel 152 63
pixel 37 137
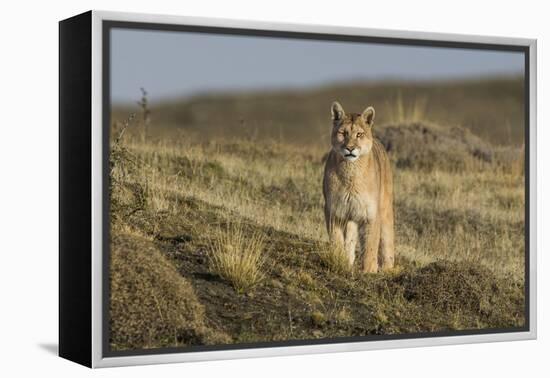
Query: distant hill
pixel 490 108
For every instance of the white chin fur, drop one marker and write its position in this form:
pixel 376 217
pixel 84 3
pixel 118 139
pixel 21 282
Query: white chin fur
pixel 351 158
pixel 345 154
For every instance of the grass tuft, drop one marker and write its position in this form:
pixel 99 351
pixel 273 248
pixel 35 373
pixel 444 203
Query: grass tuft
pixel 318 318
pixel 335 259
pixel 237 256
pixel 413 112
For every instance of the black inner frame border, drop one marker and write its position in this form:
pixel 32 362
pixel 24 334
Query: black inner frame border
pixel 108 25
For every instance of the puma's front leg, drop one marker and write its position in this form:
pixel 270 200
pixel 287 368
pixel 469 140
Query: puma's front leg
pixel 336 235
pixel 370 241
pixel 351 240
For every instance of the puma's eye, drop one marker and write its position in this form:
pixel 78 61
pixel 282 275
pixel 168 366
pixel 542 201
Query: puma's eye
pixel 360 135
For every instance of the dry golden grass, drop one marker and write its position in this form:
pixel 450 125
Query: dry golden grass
pixel 335 259
pixel 469 211
pixel 237 256
pixel 459 207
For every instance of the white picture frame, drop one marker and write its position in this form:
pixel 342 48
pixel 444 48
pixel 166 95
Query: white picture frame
pixel 91 331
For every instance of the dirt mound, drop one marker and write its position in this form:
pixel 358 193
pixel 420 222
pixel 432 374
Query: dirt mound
pixel 427 146
pixel 151 304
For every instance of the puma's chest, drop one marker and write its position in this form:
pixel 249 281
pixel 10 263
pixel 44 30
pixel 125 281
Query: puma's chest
pixel 350 200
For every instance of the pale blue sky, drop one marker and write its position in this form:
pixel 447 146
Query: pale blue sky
pixel 178 64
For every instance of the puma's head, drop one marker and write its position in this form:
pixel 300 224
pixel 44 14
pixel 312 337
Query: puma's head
pixel 351 133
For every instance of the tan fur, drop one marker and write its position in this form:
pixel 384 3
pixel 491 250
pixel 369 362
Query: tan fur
pixel 358 191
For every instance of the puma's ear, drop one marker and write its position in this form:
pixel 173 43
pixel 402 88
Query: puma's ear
pixel 368 115
pixel 337 111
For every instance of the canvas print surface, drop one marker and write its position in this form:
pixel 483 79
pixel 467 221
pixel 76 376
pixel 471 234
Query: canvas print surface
pixel 267 190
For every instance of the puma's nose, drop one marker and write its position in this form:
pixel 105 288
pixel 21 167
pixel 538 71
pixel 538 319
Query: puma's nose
pixel 350 149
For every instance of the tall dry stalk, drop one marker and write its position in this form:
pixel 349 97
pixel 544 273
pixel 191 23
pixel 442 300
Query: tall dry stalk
pixel 414 112
pixel 143 104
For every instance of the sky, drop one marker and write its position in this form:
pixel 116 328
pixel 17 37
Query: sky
pixel 182 64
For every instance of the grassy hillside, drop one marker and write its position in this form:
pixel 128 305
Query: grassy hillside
pixel 218 239
pixel 490 108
